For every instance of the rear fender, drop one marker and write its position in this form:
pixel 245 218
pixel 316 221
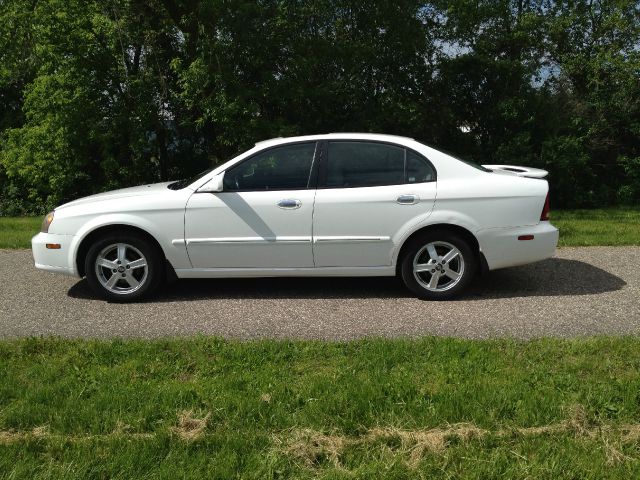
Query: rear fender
pixel 442 218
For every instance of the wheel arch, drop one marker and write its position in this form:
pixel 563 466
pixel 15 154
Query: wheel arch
pixel 90 237
pixel 462 231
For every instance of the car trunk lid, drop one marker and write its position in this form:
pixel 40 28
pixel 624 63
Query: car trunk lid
pixel 518 171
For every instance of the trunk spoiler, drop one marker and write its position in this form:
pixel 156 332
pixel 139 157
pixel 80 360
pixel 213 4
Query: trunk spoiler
pixel 518 171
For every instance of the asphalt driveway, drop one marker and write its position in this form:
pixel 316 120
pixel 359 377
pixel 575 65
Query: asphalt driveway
pixel 583 291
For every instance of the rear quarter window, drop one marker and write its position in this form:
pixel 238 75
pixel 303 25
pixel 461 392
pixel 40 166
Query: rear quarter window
pixel 419 170
pixel 352 164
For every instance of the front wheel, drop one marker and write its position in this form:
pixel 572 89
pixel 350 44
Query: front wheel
pixel 438 265
pixel 123 268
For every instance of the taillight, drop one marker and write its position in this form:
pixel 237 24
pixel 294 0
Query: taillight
pixel 545 209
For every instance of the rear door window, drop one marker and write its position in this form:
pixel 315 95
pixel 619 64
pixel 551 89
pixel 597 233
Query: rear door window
pixel 364 164
pixel 352 164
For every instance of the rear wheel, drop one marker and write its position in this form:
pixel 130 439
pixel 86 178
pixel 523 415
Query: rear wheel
pixel 123 268
pixel 438 265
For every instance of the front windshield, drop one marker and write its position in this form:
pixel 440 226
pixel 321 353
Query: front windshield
pixel 180 184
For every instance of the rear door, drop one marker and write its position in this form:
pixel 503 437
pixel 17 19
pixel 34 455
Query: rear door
pixel 367 192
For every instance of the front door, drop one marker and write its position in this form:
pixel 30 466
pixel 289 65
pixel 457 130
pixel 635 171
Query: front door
pixel 263 216
pixel 367 193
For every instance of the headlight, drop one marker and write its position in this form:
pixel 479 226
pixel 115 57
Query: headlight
pixel 46 222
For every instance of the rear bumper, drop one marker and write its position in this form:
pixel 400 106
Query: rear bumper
pixel 58 260
pixel 502 248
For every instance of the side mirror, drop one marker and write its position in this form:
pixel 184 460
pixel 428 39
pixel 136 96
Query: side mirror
pixel 214 185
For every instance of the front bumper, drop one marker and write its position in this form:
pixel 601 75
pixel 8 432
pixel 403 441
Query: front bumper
pixel 502 248
pixel 57 261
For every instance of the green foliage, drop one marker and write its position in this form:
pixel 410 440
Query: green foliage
pixel 95 95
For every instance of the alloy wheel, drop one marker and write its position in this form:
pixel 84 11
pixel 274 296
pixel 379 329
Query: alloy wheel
pixel 121 268
pixel 438 266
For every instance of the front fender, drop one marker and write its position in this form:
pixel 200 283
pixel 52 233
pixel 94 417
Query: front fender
pixel 164 234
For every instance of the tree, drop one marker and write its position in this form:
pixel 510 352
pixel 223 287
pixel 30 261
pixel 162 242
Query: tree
pixel 95 95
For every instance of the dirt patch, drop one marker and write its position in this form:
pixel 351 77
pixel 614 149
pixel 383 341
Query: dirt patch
pixel 578 423
pixel 311 446
pixel 190 428
pixel 11 436
pixel 43 433
pixel 630 433
pixel 265 398
pixel 418 443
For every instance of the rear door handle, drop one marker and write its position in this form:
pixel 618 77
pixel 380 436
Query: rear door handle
pixel 289 203
pixel 408 199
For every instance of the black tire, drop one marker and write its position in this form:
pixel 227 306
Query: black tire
pixel 138 248
pixel 441 238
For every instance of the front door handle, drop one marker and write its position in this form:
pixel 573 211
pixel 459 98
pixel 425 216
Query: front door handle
pixel 408 199
pixel 289 203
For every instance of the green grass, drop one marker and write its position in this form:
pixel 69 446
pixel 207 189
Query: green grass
pixel 578 228
pixel 16 232
pixel 436 408
pixel 611 226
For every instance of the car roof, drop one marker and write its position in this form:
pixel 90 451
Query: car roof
pixel 445 164
pixel 336 136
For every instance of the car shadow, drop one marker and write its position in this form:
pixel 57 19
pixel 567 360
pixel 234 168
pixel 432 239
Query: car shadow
pixel 552 277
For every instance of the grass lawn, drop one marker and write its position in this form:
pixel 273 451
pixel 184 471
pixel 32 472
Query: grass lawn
pixel 208 408
pixel 610 226
pixel 613 226
pixel 430 408
pixel 16 232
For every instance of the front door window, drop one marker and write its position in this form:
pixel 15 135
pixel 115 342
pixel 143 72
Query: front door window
pixel 280 168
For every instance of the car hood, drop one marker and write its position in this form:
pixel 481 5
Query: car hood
pixel 150 189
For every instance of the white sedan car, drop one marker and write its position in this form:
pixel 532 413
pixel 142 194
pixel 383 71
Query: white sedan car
pixel 322 205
